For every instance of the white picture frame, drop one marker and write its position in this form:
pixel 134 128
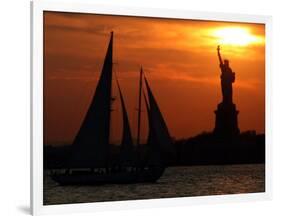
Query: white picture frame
pixel 37 8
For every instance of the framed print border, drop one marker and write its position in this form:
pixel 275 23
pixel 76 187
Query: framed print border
pixel 37 9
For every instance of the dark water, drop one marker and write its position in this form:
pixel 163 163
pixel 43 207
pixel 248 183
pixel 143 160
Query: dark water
pixel 176 182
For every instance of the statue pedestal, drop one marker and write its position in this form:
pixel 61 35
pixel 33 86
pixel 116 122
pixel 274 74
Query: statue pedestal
pixel 226 121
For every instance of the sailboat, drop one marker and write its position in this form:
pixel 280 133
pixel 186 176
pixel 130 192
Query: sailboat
pixel 90 163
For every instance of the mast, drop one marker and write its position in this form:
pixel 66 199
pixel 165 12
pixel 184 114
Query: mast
pixel 139 108
pixel 91 144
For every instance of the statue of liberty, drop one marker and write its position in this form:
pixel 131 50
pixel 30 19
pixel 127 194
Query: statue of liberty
pixel 226 125
pixel 227 78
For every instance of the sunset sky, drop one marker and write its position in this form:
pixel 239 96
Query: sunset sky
pixel 179 58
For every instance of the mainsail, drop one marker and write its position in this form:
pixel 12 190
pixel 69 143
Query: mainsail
pixel 158 127
pixel 91 144
pixel 127 154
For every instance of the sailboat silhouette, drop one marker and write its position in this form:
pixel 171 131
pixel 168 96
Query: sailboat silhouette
pixel 89 162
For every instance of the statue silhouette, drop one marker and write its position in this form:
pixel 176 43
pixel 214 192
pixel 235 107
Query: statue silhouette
pixel 226 125
pixel 227 78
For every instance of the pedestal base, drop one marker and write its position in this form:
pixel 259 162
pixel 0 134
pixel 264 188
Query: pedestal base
pixel 226 121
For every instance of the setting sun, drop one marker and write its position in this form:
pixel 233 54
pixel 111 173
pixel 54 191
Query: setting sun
pixel 236 36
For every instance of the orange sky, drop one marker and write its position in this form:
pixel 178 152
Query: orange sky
pixel 180 61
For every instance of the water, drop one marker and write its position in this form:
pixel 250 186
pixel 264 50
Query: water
pixel 176 182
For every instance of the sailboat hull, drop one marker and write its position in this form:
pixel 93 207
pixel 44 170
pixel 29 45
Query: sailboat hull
pixel 148 175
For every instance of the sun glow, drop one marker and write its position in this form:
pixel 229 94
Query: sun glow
pixel 236 36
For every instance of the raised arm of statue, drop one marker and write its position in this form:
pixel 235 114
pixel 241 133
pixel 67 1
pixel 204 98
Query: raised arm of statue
pixel 219 55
